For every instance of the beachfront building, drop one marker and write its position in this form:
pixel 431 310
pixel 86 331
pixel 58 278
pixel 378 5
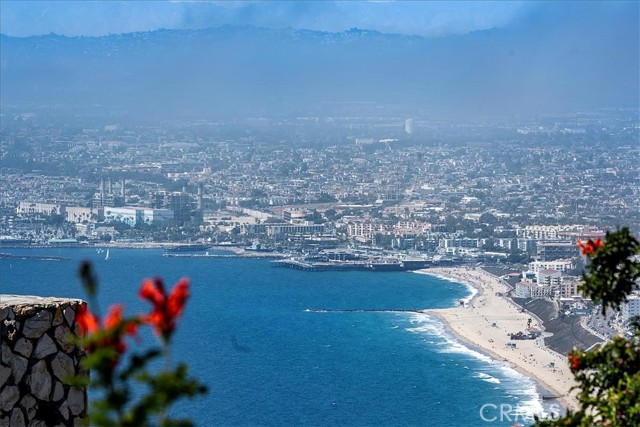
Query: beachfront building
pixel 559 265
pixel 533 290
pixel 631 308
pixel 568 287
pixel 549 277
pixel 550 251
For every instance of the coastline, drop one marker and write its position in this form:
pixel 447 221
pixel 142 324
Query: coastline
pixel 484 323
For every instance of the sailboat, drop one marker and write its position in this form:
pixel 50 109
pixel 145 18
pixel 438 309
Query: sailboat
pixel 106 257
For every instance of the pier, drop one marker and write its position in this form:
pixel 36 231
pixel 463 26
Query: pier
pixel 386 264
pixel 258 255
pixel 298 264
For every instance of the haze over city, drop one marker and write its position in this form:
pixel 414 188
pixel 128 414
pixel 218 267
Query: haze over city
pixel 384 208
pixel 290 58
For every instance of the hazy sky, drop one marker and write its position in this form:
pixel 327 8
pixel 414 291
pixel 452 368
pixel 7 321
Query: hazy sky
pixel 94 18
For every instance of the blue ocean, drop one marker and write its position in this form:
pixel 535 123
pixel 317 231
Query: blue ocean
pixel 280 347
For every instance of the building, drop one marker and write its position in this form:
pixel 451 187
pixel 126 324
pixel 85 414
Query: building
pixel 179 202
pixel 549 277
pixel 550 251
pixel 459 243
pixel 559 232
pixel 526 245
pixel 157 217
pixel 559 265
pixel 408 126
pixel 366 230
pixel 78 214
pixel 568 287
pixel 297 215
pixel 631 308
pixel 285 229
pixel 533 290
pixel 36 208
pixel 126 215
pixel 107 197
pixel 133 216
pixel 508 244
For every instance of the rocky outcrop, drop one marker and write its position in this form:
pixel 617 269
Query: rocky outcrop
pixel 38 354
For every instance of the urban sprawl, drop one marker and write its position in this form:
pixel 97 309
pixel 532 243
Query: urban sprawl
pixel 334 192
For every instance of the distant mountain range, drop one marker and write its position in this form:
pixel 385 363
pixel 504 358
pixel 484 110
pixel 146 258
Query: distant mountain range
pixel 230 71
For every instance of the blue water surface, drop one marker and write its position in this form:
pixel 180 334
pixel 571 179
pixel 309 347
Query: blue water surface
pixel 251 333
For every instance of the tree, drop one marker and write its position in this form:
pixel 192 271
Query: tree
pixel 330 214
pixel 609 377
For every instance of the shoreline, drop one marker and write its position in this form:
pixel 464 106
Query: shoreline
pixel 484 323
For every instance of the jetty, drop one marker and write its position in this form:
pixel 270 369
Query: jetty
pixel 35 257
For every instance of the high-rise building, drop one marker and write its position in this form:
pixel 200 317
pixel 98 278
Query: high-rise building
pixel 178 201
pixel 408 126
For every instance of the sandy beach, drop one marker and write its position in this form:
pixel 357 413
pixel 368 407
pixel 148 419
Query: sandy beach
pixel 486 322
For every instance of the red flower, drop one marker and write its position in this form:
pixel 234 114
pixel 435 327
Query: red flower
pixel 574 361
pixel 166 308
pixel 112 332
pixel 590 247
pixel 116 330
pixel 87 321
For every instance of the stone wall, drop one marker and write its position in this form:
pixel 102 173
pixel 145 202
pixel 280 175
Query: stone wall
pixel 38 353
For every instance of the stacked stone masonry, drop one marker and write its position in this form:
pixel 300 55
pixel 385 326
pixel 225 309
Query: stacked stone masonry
pixel 38 355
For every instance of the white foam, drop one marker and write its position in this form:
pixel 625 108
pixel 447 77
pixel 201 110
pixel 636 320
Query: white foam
pixel 473 291
pixel 486 377
pixel 517 384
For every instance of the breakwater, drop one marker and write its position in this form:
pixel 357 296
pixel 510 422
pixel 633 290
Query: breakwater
pixel 33 257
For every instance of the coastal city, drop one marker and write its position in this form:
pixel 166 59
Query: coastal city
pixel 337 193
pixel 320 213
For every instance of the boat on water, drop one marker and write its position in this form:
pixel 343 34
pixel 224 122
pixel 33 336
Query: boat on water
pixel 106 257
pixel 188 248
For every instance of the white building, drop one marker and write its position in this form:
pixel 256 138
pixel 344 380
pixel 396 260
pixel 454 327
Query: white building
pixel 408 126
pixel 549 277
pixel 34 208
pixel 78 214
pixel 459 243
pixel 157 217
pixel 364 229
pixel 631 308
pixel 126 215
pixel 133 216
pixel 559 265
pixel 533 290
pixel 282 229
